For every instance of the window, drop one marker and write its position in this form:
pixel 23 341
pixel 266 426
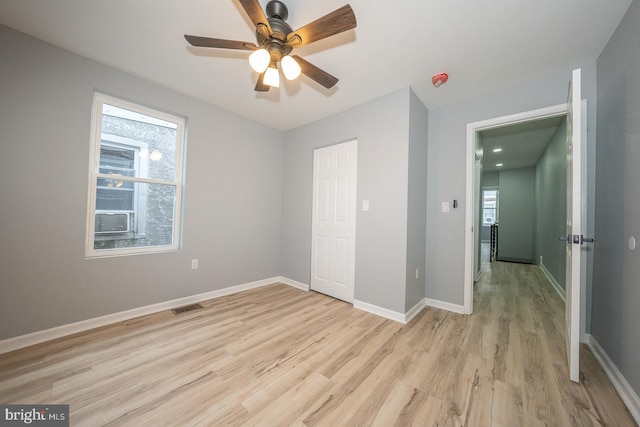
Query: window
pixel 489 206
pixel 135 183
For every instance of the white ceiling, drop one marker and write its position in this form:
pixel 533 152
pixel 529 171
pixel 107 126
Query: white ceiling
pixel 522 144
pixel 481 44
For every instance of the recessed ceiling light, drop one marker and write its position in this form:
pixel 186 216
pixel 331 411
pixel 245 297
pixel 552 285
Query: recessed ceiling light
pixel 497 150
pixel 499 164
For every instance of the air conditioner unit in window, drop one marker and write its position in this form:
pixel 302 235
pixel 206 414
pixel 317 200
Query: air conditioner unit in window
pixel 113 222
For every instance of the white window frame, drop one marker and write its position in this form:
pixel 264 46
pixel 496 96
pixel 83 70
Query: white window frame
pixel 497 208
pixel 96 139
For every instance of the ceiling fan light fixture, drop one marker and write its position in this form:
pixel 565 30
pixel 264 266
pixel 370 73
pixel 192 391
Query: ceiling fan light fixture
pixel 275 39
pixel 272 77
pixel 290 68
pixel 259 60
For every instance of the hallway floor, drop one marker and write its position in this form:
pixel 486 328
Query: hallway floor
pixel 530 373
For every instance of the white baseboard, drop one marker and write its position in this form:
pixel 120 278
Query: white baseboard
pixel 415 310
pixel 403 318
pixel 380 311
pixel 445 305
pixel 626 392
pixel 553 282
pixel 294 283
pixel 38 337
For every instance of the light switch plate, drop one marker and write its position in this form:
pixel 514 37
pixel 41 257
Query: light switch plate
pixel 445 206
pixel 365 205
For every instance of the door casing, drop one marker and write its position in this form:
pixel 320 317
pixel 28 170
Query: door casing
pixel 471 214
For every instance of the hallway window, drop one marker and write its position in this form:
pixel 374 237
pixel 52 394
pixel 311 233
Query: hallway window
pixel 489 206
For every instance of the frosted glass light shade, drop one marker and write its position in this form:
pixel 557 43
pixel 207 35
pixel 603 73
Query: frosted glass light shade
pixel 290 68
pixel 259 60
pixel 271 77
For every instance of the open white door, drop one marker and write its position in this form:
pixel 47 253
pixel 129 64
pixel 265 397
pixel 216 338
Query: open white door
pixel 574 225
pixel 333 227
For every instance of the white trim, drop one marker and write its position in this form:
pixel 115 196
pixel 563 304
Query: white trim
pixel 379 311
pixel 294 283
pixel 469 240
pixel 472 128
pixel 415 310
pixel 409 315
pixel 622 386
pixel 445 306
pixel 38 337
pixel 554 283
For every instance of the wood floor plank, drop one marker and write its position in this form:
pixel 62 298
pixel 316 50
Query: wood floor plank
pixel 280 356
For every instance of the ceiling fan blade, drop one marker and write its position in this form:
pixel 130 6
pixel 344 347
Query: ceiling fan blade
pixel 315 73
pixel 257 16
pixel 336 22
pixel 219 43
pixel 260 86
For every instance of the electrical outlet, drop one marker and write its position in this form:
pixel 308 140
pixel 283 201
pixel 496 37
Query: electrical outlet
pixel 194 264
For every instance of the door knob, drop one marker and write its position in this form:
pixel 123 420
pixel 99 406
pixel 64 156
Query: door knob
pixel 578 240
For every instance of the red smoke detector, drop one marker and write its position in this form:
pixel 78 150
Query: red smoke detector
pixel 439 79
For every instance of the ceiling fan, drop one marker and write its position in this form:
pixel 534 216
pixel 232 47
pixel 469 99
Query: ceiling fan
pixel 276 39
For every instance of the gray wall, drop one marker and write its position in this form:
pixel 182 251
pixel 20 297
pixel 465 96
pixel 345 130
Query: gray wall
pixel 551 205
pixel 491 179
pixel 232 198
pixel 417 203
pixel 616 293
pixel 517 208
pixel 446 167
pixel 383 128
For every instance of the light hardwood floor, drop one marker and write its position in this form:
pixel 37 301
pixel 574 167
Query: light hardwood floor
pixel 280 356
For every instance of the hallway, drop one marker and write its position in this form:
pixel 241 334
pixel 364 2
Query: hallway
pixel 521 312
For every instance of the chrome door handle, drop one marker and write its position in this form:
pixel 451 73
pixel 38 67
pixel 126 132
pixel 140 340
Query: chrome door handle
pixel 578 240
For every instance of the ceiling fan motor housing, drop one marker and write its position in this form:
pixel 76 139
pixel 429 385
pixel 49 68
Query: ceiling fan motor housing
pixel 277 13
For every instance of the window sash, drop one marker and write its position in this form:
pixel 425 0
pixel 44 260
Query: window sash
pixel 137 179
pixel 489 206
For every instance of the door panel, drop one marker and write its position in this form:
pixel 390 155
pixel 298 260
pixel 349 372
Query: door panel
pixel 574 229
pixel 333 222
pixel 342 199
pixel 322 258
pixel 341 268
